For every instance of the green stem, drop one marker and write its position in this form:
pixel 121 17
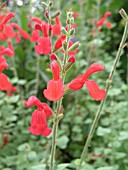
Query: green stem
pixel 53 150
pixel 108 84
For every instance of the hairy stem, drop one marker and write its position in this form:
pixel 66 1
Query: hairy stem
pixel 108 84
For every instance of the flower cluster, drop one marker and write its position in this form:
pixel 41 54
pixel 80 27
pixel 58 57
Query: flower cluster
pixel 42 34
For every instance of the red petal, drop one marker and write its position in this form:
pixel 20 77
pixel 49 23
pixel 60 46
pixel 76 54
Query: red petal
pixel 100 22
pixel 95 67
pixel 77 83
pixel 4 83
pixel 9 32
pixel 3 63
pixel 33 101
pixel 55 90
pixel 94 91
pixel 55 70
pixel 109 25
pixel 44 45
pixel 47 109
pixel 59 42
pixel 35 36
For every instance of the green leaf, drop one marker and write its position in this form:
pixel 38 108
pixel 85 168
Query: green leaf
pixel 62 142
pixel 103 131
pixel 62 166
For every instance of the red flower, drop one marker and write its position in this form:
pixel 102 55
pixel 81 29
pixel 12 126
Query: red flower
pixel 103 20
pixel 38 121
pixel 21 32
pixel 56 28
pixel 55 87
pixel 94 91
pixel 3 63
pixel 44 43
pixel 59 42
pixel 4 83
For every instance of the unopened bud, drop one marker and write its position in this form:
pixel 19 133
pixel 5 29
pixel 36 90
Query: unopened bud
pixel 63 30
pixel 56 14
pixel 72 20
pixel 72 31
pixel 65 46
pixel 74 46
pixel 69 14
pixel 53 57
pixel 46 15
pixel 123 14
pixel 71 61
pixel 50 4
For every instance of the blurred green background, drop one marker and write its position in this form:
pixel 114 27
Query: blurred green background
pixel 109 147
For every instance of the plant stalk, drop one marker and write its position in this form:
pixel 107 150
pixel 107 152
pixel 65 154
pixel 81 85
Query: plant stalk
pixel 108 84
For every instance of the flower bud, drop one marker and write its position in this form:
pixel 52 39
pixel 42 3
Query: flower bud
pixel 123 14
pixel 56 14
pixel 72 31
pixel 72 20
pixel 69 14
pixel 46 15
pixel 71 61
pixel 64 46
pixel 53 57
pixel 74 46
pixel 50 4
pixel 63 30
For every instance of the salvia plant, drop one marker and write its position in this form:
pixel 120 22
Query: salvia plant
pixel 67 46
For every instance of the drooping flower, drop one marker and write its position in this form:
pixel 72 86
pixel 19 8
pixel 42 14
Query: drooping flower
pixel 55 87
pixel 38 122
pixel 94 91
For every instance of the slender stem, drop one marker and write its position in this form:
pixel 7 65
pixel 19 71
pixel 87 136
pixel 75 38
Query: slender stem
pixel 37 73
pixel 108 84
pixel 53 150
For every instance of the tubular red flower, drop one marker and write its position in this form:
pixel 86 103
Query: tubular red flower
pixel 38 122
pixel 56 28
pixel 55 87
pixel 94 91
pixel 108 24
pixel 59 42
pixel 8 31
